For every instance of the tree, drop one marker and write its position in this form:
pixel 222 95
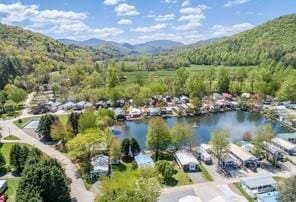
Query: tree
pixel 182 75
pixel 106 118
pixel 61 132
pixel 125 147
pixel 220 143
pixel 14 93
pixel 223 82
pixel 210 74
pixel 130 185
pixel 287 90
pixel 115 150
pixel 263 134
pixel 288 189
pixel 179 134
pixel 44 127
pixel 158 138
pixel 139 79
pixel 87 120
pixel 2 160
pixel 166 169
pixel 85 145
pixel 195 85
pixel 45 178
pixel 18 156
pixel 135 147
pixel 112 79
pixel 73 122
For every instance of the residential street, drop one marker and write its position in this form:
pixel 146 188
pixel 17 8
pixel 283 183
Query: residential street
pixel 78 190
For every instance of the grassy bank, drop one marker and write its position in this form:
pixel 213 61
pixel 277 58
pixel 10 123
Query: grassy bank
pixel 243 192
pixel 12 184
pixel 205 172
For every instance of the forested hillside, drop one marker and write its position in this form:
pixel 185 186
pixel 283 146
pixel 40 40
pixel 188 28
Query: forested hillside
pixel 275 40
pixel 23 52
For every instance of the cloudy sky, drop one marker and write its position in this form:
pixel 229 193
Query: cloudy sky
pixel 136 21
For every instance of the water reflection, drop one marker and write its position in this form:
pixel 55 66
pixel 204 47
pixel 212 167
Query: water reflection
pixel 236 122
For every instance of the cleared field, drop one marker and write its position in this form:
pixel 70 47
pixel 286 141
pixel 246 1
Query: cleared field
pixel 132 76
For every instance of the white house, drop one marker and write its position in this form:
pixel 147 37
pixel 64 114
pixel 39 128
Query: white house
pixel 100 166
pixel 186 160
pixel 258 185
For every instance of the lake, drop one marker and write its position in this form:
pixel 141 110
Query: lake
pixel 237 122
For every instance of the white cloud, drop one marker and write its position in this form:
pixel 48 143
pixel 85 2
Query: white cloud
pixel 221 30
pixel 192 16
pixel 126 10
pixel 169 1
pixel 125 22
pixel 235 2
pixel 163 18
pixel 185 3
pixel 56 23
pixel 112 2
pixel 152 28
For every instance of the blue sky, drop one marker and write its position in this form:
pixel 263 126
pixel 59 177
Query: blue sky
pixel 137 21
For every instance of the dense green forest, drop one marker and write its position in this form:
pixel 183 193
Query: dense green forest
pixel 274 40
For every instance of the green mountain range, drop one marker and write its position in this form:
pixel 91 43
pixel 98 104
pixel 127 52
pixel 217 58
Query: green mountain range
pixel 275 40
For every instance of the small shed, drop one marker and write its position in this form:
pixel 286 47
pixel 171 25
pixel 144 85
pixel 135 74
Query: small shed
pixel 100 166
pixel 186 160
pixel 143 160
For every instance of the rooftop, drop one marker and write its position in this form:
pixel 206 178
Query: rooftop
pixel 186 157
pixel 240 153
pixel 100 163
pixel 284 143
pixel 143 160
pixel 257 181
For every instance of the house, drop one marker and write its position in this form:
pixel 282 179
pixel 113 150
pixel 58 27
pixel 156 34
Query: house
pixel 67 106
pixel 3 186
pixel 184 99
pixel 291 137
pixel 153 111
pixel 186 160
pixel 284 145
pixel 205 156
pixel 100 166
pixel 258 185
pixel 273 151
pixel 119 114
pixel 245 158
pixel 143 160
pixel 135 113
pixel 79 106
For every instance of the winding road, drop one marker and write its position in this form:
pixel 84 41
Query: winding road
pixel 78 191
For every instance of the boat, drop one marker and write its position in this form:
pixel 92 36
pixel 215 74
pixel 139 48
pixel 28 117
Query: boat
pixel 195 125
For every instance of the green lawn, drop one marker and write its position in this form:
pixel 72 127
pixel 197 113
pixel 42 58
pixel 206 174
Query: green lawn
pixel 5 150
pixel 182 178
pixel 22 122
pixel 131 76
pixel 243 192
pixel 12 184
pixel 11 137
pixel 205 172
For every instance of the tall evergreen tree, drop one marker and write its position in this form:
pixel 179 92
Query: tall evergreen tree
pixel 73 121
pixel 135 147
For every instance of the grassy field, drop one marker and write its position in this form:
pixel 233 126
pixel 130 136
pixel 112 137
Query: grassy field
pixel 243 192
pixel 205 172
pixel 11 137
pixel 12 184
pixel 131 76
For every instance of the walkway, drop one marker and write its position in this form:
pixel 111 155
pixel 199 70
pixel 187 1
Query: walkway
pixel 78 191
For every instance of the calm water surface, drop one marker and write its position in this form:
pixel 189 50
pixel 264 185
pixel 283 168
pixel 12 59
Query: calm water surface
pixel 237 122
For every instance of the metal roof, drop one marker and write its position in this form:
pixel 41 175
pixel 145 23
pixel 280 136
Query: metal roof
pixel 144 160
pixel 287 135
pixel 257 181
pixel 186 157
pixel 283 143
pixel 240 153
pixel 100 163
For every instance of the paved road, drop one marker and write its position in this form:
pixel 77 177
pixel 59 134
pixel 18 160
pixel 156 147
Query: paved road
pixel 78 191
